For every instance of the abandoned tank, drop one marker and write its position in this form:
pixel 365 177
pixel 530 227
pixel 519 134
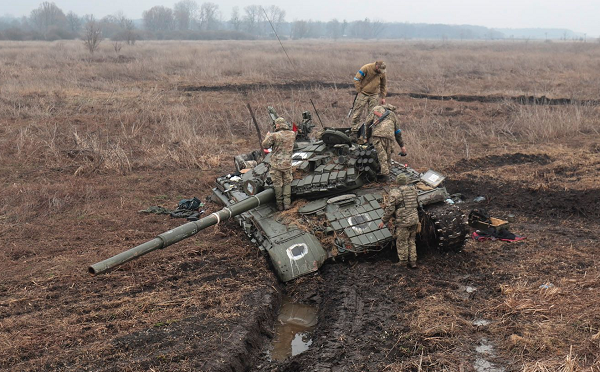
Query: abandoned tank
pixel 337 206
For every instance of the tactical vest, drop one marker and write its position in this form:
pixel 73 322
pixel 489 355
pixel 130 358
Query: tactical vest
pixel 406 206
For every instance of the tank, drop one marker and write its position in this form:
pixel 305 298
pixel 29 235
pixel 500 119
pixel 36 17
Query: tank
pixel 337 206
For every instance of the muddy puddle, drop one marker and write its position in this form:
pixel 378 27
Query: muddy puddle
pixel 293 330
pixel 484 351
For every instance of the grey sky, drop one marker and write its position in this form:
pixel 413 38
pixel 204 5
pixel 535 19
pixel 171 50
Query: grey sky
pixel 576 15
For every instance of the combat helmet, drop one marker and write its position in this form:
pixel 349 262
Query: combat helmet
pixel 281 124
pixel 401 179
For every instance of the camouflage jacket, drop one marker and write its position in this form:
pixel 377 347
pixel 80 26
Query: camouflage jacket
pixel 282 145
pixel 388 128
pixel 402 203
pixel 369 82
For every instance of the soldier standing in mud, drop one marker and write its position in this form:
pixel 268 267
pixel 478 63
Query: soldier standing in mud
pixel 370 83
pixel 402 204
pixel 282 144
pixel 383 125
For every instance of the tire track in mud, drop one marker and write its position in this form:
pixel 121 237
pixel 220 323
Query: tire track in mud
pixel 305 85
pixel 369 306
pixel 259 86
pixel 522 99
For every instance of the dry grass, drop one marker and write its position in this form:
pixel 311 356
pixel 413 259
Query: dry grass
pixel 127 113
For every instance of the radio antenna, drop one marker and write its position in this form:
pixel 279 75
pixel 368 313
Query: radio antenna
pixel 280 43
pixel 290 60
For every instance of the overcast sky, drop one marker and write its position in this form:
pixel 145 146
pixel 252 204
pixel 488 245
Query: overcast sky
pixel 577 15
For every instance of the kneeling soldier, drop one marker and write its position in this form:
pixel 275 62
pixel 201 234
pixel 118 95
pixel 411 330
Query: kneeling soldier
pixel 282 147
pixel 402 204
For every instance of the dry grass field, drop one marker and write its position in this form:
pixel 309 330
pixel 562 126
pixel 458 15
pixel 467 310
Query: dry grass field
pixel 86 142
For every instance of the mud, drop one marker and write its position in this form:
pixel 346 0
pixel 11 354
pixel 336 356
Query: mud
pixel 523 100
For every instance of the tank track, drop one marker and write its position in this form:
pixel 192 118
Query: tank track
pixel 443 227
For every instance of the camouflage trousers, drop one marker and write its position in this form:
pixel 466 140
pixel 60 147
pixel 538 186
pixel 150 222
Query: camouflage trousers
pixel 406 244
pixel 281 177
pixel 282 184
pixel 361 102
pixel 385 148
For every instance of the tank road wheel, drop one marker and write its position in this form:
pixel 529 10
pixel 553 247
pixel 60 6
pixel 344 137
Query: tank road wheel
pixel 443 227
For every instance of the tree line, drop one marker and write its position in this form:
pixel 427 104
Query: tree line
pixel 188 20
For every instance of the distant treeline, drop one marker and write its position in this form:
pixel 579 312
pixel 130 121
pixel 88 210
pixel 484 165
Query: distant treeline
pixel 188 20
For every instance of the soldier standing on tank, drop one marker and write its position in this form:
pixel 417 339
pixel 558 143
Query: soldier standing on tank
pixel 383 125
pixel 282 146
pixel 402 204
pixel 370 83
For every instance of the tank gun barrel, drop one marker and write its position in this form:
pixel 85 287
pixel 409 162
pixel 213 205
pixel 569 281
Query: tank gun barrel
pixel 182 232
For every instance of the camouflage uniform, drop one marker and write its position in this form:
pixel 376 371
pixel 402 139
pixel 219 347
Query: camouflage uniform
pixel 370 86
pixel 282 145
pixel 402 204
pixel 383 133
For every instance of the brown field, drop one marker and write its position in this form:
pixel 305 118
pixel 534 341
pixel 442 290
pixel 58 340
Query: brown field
pixel 87 142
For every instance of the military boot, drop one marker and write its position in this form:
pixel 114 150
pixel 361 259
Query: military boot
pixel 287 196
pixel 279 197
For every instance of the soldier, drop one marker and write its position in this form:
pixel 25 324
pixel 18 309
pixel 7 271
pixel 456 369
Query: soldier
pixel 402 203
pixel 383 125
pixel 282 145
pixel 370 84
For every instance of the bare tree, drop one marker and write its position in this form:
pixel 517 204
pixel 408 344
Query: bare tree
pixel 208 16
pixel 235 20
pixel 300 29
pixel 366 29
pixel 253 18
pixel 276 15
pixel 184 12
pixel 334 29
pixel 92 36
pixel 117 45
pixel 48 15
pixel 158 18
pixel 73 22
pixel 377 28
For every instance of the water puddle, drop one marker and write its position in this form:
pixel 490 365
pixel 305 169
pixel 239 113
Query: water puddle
pixel 485 350
pixel 481 322
pixel 293 331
